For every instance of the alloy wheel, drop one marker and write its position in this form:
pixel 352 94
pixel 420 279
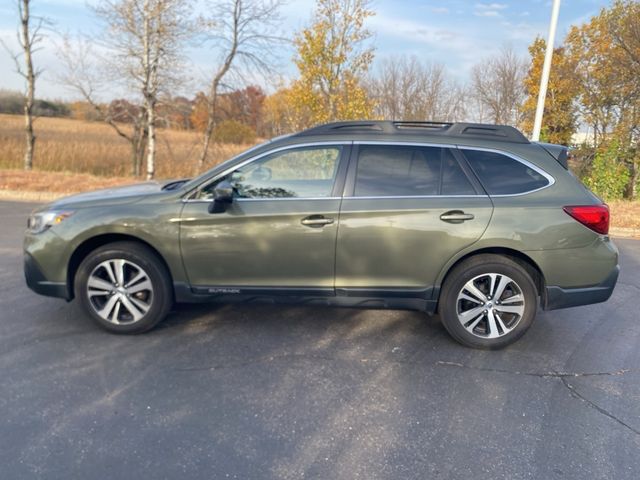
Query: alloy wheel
pixel 490 305
pixel 120 291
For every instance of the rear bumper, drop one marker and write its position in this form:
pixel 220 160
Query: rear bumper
pixel 37 282
pixel 558 297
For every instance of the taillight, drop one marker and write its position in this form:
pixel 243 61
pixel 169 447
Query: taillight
pixel 596 217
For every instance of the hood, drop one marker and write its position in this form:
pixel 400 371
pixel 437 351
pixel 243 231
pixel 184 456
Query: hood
pixel 109 196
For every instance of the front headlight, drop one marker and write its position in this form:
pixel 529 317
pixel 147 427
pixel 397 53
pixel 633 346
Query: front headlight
pixel 39 222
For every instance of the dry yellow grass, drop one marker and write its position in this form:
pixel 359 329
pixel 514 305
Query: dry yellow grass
pixel 65 145
pixel 625 214
pixel 60 183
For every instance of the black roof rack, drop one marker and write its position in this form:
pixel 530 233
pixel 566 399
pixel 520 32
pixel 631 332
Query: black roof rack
pixel 503 133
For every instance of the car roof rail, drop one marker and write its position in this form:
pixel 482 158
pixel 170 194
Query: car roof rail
pixel 503 133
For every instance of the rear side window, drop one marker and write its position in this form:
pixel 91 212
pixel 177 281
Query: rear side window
pixel 503 175
pixel 396 170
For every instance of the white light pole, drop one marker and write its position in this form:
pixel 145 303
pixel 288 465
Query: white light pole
pixel 546 69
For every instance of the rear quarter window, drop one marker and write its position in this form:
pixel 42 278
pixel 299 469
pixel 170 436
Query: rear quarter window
pixel 503 175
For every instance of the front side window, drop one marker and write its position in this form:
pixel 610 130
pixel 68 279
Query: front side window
pixel 503 175
pixel 305 172
pixel 397 170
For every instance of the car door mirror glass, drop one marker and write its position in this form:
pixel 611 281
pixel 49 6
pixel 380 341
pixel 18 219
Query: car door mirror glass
pixel 223 192
pixel 222 196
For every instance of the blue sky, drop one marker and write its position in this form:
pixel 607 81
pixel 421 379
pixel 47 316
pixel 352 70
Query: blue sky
pixel 456 33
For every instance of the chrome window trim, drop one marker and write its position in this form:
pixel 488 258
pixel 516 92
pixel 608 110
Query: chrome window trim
pixel 279 199
pixel 258 157
pixel 515 157
pixel 408 197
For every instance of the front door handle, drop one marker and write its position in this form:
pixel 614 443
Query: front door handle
pixel 456 216
pixel 316 221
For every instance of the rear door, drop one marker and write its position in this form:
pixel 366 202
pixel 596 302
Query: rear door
pixel 408 208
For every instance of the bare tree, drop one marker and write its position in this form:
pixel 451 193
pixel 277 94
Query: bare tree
pixel 144 38
pixel 82 74
pixel 497 85
pixel 29 36
pixel 242 33
pixel 404 88
pixel 142 44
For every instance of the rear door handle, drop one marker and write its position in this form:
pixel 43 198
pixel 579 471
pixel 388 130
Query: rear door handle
pixel 316 221
pixel 456 216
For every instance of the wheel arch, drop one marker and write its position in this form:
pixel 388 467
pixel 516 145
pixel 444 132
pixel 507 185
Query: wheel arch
pixel 517 256
pixel 97 241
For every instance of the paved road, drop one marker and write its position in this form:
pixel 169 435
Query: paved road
pixel 263 392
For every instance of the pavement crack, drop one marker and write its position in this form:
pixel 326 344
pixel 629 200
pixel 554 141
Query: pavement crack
pixel 562 376
pixel 535 374
pixel 595 406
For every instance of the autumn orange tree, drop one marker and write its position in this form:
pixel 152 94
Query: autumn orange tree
pixel 560 109
pixel 278 115
pixel 332 57
pixel 623 25
pixel 606 56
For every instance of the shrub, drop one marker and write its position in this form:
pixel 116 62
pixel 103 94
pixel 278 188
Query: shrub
pixel 608 176
pixel 11 102
pixel 232 131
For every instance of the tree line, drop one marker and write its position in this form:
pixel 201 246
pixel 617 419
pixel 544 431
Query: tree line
pixel 141 49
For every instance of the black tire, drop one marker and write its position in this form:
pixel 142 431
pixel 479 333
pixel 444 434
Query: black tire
pixel 474 268
pixel 158 298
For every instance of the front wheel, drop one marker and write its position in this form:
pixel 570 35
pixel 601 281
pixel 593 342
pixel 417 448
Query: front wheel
pixel 124 287
pixel 488 301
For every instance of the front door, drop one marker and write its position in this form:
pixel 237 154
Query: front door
pixel 407 210
pixel 279 231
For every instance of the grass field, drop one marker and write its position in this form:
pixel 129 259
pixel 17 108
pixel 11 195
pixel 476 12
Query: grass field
pixel 65 145
pixel 625 214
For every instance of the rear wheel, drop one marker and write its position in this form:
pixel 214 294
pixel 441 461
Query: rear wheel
pixel 488 301
pixel 124 287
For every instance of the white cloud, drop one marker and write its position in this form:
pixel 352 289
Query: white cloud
pixel 487 13
pixel 456 46
pixel 419 32
pixel 491 6
pixel 440 10
pixel 489 9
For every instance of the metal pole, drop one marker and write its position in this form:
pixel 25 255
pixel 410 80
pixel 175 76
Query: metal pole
pixel 546 69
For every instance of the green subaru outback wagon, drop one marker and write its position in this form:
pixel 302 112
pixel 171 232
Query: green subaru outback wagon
pixel 470 221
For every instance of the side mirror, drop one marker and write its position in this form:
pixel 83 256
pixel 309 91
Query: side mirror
pixel 222 196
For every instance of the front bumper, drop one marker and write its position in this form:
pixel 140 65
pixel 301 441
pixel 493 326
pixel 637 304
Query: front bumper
pixel 37 282
pixel 558 297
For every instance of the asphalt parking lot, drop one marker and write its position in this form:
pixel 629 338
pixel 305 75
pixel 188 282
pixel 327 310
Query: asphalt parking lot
pixel 253 392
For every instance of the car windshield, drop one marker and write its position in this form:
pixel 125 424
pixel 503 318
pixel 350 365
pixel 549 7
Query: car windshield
pixel 203 176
